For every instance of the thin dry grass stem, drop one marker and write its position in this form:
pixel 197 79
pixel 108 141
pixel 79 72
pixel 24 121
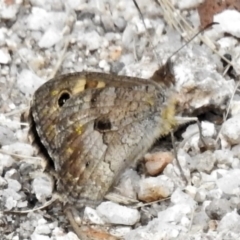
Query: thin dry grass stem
pixel 226 69
pixel 48 203
pixel 77 230
pixel 60 59
pixel 140 204
pixel 14 112
pixel 15 122
pixel 19 156
pixel 191 220
pixel 148 35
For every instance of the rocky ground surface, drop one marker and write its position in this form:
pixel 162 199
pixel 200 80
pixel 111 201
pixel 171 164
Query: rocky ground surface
pixel 40 39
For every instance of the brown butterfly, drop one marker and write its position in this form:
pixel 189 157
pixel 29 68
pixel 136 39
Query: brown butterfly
pixel 94 125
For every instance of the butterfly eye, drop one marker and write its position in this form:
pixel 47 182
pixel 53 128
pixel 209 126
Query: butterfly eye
pixel 64 96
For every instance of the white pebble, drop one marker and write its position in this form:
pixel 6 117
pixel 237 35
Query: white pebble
pixel 68 236
pixel 179 196
pixel 14 184
pixel 231 130
pixel 92 40
pixel 200 195
pixel 224 156
pixel 50 38
pixel 10 203
pixel 20 148
pixel 42 186
pixel 28 82
pixel 42 229
pixel 5 57
pixel 6 161
pixel 117 214
pixel 226 19
pixel 175 213
pixel 230 222
pixel 155 188
pixel 38 19
pixel 92 216
pixel 229 183
pixel 9 11
pixel 36 236
pixel 191 191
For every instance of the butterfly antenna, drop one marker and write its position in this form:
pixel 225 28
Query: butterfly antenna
pixel 192 38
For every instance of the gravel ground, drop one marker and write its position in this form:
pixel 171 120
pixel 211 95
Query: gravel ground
pixel 41 39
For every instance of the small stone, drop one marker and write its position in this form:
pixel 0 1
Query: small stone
pixel 155 188
pixel 156 162
pixel 92 40
pixel 75 4
pixel 214 194
pixel 179 196
pixel 22 204
pixel 200 220
pixel 11 194
pixel 115 53
pixel 128 37
pixel 12 174
pixel 9 11
pixel 229 183
pixel 117 214
pixel 213 225
pixel 175 213
pixel 230 223
pixel 28 82
pixel 42 229
pixel 107 22
pixel 43 186
pixel 231 130
pixel 10 203
pixel 50 38
pixel 6 136
pixel 36 236
pixel 191 191
pixel 218 208
pixel 20 148
pixel 236 150
pixel 6 161
pixel 200 195
pixel 3 183
pixel 68 236
pixel 224 157
pixel 120 23
pixel 92 216
pixel 5 57
pixel 104 65
pixel 226 19
pixel 38 20
pixel 14 184
pixel 203 162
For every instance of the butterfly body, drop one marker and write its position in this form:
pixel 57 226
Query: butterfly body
pixel 94 125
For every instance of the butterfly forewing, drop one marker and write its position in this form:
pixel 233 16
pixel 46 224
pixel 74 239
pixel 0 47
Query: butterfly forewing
pixel 47 101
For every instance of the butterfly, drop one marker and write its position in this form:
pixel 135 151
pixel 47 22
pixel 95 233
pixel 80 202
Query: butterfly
pixel 92 126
